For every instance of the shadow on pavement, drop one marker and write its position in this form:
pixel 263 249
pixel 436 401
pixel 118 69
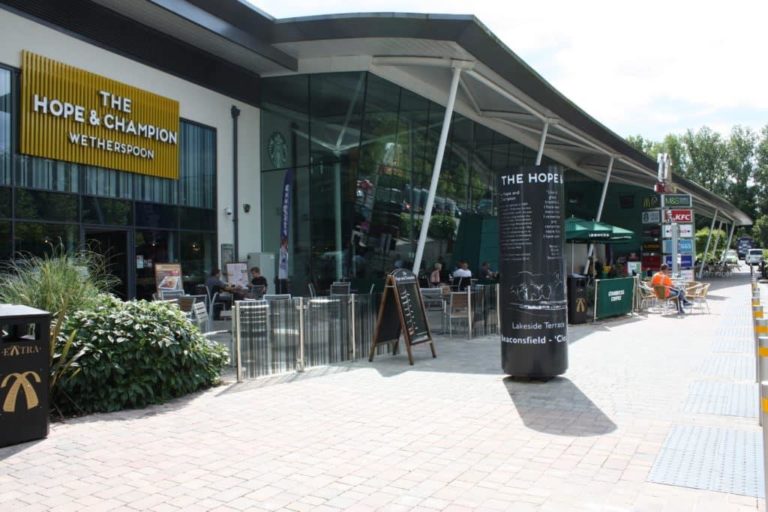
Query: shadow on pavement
pixel 557 407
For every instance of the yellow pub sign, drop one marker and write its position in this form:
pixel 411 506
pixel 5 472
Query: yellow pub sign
pixel 77 116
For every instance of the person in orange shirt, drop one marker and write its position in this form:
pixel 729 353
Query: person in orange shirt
pixel 661 278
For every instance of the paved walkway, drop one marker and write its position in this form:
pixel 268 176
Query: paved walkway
pixel 447 434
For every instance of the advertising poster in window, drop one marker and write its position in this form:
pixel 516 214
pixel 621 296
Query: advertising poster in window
pixel 237 275
pixel 534 330
pixel 168 277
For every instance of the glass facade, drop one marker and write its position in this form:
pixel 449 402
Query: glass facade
pixel 362 150
pixel 135 220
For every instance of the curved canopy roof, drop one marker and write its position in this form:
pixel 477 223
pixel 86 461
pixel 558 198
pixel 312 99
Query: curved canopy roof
pixel 418 51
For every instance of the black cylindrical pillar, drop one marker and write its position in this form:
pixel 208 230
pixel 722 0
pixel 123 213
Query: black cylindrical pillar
pixel 534 330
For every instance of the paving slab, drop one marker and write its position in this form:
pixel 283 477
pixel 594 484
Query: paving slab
pixel 451 433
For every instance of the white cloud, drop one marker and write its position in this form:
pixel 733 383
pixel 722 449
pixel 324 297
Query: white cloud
pixel 649 68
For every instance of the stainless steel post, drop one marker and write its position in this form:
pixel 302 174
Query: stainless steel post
pixel 238 353
pixel 498 309
pixel 353 326
pixel 469 312
pixel 300 364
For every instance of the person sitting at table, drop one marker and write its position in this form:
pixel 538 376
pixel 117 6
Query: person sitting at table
pixel 434 277
pixel 486 274
pixel 258 283
pixel 661 278
pixel 462 275
pixel 214 284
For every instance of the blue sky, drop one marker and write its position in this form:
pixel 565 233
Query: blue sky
pixel 650 68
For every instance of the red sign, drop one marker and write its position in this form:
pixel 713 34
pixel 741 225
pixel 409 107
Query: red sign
pixel 680 216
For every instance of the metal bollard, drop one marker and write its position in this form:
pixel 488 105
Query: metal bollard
pixel 763 411
pixel 762 367
pixel 757 312
pixel 761 329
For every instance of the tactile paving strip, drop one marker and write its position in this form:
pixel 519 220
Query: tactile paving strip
pixel 736 331
pixel 726 398
pixel 737 367
pixel 736 346
pixel 710 458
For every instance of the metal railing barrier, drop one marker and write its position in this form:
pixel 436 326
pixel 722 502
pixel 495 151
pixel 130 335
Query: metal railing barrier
pixel 286 335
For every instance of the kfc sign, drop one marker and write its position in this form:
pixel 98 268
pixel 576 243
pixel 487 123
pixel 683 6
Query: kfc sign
pixel 680 216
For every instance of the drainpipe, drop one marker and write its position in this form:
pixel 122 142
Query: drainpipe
pixel 235 208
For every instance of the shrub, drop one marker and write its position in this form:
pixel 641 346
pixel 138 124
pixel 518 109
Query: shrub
pixel 60 282
pixel 135 354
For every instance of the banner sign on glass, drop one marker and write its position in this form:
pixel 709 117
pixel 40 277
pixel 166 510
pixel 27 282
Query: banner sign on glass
pixel 686 230
pixel 652 216
pixel 73 115
pixel 534 330
pixel 679 216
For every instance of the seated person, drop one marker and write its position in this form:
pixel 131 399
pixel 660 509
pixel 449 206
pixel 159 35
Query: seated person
pixel 434 277
pixel 258 283
pixel 462 275
pixel 214 284
pixel 486 274
pixel 661 278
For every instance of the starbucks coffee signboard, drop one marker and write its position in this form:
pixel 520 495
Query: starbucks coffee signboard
pixel 73 115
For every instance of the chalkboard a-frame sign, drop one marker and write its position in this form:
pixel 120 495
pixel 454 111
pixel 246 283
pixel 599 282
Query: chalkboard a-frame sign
pixel 402 312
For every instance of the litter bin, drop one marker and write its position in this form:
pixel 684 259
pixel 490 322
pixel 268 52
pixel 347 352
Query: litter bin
pixel 24 369
pixel 577 299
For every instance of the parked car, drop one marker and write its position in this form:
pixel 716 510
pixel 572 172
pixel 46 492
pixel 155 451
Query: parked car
pixel 754 257
pixel 731 257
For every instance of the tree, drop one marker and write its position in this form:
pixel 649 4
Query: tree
pixel 760 231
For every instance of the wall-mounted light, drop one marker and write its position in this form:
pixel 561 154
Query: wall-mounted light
pixel 228 211
pixel 195 247
pixel 246 207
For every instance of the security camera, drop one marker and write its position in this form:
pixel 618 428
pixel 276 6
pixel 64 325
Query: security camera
pixel 228 211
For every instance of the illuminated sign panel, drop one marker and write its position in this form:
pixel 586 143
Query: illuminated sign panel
pixel 74 115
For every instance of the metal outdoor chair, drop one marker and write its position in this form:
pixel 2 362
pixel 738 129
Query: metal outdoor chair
pixel 646 297
pixel 340 288
pixel 457 310
pixel 667 303
pixel 203 321
pixel 697 294
pixel 277 296
pixel 433 303
pixel 171 294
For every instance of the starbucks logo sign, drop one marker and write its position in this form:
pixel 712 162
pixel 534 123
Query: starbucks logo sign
pixel 277 149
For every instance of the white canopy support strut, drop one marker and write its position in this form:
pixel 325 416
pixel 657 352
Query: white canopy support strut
pixel 591 249
pixel 706 247
pixel 436 169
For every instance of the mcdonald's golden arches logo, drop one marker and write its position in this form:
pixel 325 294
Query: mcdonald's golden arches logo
pixel 581 305
pixel 20 383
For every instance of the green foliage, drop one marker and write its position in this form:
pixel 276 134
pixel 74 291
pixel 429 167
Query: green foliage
pixel 135 354
pixel 734 166
pixel 60 283
pixel 719 239
pixel 760 231
pixel 441 226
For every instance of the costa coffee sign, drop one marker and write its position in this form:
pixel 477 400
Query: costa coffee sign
pixel 680 216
